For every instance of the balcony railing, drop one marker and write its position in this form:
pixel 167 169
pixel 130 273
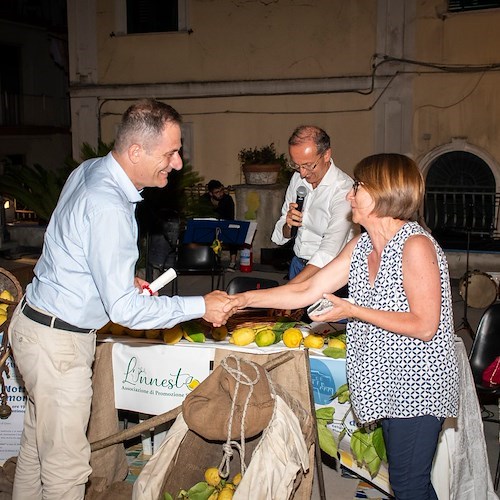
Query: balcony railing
pixel 33 110
pixel 455 211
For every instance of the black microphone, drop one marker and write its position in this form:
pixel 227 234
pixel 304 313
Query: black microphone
pixel 301 195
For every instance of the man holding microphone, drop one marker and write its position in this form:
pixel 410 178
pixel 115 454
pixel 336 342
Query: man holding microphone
pixel 315 210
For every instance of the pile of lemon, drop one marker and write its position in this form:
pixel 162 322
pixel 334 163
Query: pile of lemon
pixel 213 488
pixel 261 334
pixel 265 336
pixel 192 331
pixel 6 295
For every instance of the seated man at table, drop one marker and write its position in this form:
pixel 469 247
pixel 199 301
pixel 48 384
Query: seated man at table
pixel 221 205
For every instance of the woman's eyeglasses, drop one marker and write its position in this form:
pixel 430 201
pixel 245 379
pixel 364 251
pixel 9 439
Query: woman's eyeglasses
pixel 308 168
pixel 355 187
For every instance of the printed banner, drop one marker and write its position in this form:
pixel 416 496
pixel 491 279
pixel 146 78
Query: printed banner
pixel 11 428
pixel 156 379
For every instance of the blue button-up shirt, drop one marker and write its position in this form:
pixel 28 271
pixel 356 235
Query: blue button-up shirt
pixel 85 275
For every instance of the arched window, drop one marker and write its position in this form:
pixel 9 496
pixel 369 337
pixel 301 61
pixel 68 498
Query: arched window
pixel 460 199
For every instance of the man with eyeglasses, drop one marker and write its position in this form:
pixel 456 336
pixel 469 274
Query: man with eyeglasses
pixel 324 224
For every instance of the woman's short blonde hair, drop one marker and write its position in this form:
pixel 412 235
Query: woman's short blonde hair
pixel 394 182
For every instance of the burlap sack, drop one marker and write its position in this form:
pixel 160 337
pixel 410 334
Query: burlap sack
pixel 207 410
pixel 7 473
pixel 109 464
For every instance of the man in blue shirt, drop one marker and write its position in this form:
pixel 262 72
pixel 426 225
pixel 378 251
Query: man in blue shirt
pixel 83 279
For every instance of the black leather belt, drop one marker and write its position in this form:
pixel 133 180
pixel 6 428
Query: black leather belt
pixel 52 321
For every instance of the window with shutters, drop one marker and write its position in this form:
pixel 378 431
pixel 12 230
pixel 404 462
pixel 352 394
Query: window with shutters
pixel 468 5
pixel 156 16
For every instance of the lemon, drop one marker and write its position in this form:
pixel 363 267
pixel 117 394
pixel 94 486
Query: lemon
pixel 3 318
pixel 153 333
pixel 212 476
pixel 337 343
pixel 314 341
pixel 219 333
pixel 105 328
pixel 116 329
pixel 172 335
pixel 134 333
pixel 193 384
pixel 225 494
pixel 7 295
pixel 4 307
pixel 237 479
pixel 265 338
pixel 292 337
pixel 242 336
pixel 194 337
pixel 214 495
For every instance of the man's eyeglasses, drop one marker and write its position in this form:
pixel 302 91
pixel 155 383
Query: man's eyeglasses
pixel 355 187
pixel 308 168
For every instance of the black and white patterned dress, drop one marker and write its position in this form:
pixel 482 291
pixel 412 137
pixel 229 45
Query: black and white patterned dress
pixel 392 375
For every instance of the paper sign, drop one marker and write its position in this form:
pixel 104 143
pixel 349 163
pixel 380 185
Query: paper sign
pixel 11 428
pixel 156 379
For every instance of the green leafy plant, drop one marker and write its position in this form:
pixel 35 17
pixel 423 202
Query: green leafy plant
pixel 262 155
pixel 266 155
pixel 38 188
pixel 367 443
pixel 34 187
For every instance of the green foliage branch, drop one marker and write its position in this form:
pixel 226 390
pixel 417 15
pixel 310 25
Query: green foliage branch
pixel 38 189
pixel 367 443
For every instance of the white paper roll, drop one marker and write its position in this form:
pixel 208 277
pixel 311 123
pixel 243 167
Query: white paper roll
pixel 160 282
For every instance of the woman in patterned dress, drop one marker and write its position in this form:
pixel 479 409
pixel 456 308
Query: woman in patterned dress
pixel 401 362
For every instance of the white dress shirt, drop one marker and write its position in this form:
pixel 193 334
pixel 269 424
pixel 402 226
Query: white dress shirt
pixel 326 222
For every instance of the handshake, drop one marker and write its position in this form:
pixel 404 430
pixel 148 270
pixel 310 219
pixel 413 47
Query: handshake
pixel 219 307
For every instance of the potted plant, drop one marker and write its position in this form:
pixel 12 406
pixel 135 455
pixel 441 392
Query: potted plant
pixel 263 165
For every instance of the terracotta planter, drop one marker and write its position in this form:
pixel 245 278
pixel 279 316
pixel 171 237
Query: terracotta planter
pixel 261 173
